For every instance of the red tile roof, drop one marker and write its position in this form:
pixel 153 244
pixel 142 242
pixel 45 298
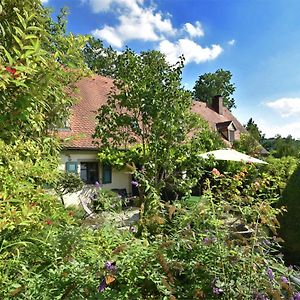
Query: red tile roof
pixel 92 93
pixel 213 118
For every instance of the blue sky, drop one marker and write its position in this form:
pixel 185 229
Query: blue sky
pixel 257 40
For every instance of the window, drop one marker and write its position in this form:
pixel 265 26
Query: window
pixel 89 172
pixel 71 167
pixel 231 136
pixel 106 174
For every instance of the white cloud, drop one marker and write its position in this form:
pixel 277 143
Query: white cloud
pixel 194 30
pixel 98 6
pixel 192 51
pixel 286 107
pixel 271 129
pixel 231 42
pixel 108 34
pixel 134 22
pixel 105 5
pixel 44 1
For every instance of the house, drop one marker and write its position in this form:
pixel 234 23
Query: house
pixel 220 119
pixel 79 154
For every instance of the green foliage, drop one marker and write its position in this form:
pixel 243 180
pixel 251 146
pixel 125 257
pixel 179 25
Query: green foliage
pixel 106 200
pixel 99 59
pixel 44 250
pixel 67 183
pixel 33 81
pixel 219 245
pixel 281 147
pixel 247 183
pixel 204 251
pixel 209 85
pixel 149 108
pixel 289 230
pixel 254 131
pixel 248 144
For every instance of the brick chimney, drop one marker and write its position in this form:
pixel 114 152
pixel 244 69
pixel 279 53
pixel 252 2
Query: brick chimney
pixel 217 104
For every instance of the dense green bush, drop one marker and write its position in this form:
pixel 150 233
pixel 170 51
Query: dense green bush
pixel 202 252
pixel 106 200
pixel 215 248
pixel 45 252
pixel 246 182
pixel 289 221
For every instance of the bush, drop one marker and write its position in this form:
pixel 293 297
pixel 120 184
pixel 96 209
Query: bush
pixel 289 221
pixel 216 248
pixel 106 200
pixel 203 252
pixel 67 183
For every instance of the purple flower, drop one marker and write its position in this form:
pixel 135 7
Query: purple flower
pixel 134 183
pixel 217 291
pixel 270 273
pixel 206 241
pixel 102 285
pixel 284 279
pixel 266 242
pixel 297 296
pixel 259 296
pixel 110 266
pixel 97 184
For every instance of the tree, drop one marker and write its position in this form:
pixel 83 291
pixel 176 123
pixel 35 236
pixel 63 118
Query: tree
pixel 253 129
pixel 38 60
pixel 286 146
pixel 209 85
pixel 147 121
pixel 99 59
pixel 248 144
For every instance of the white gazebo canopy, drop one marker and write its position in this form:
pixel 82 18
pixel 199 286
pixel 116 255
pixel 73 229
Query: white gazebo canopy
pixel 233 155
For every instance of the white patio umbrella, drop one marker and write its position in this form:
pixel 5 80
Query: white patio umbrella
pixel 230 154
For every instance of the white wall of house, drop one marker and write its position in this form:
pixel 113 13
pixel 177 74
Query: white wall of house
pixel 121 179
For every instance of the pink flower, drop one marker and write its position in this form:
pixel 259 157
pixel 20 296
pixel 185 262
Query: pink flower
pixel 215 172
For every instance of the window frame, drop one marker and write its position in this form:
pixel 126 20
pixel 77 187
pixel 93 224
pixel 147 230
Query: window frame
pixel 89 165
pixel 69 170
pixel 231 135
pixel 106 168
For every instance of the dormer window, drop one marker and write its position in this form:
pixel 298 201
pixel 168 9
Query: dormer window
pixel 227 130
pixel 231 135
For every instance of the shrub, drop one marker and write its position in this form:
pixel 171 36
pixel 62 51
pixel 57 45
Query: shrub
pixel 289 224
pixel 106 200
pixel 67 183
pixel 202 252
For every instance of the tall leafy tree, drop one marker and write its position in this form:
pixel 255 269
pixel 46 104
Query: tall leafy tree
pixel 286 146
pixel 148 116
pixel 37 61
pixel 253 129
pixel 209 85
pixel 100 59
